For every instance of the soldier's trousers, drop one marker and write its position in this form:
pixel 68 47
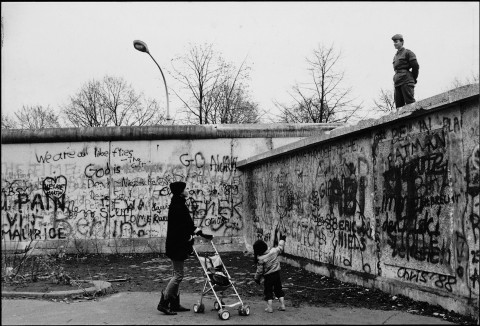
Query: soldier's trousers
pixel 404 95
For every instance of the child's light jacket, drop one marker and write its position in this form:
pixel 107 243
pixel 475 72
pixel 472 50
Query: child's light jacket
pixel 269 262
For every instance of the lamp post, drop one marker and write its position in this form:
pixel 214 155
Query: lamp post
pixel 142 47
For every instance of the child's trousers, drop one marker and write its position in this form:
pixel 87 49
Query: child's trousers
pixel 273 284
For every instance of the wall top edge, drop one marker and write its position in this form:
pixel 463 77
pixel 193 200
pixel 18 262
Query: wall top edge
pixel 425 106
pixel 162 132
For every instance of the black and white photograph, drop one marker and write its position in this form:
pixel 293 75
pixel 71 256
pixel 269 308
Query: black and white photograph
pixel 240 162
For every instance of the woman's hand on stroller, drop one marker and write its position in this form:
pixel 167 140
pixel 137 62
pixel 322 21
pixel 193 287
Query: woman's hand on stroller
pixel 199 232
pixel 207 236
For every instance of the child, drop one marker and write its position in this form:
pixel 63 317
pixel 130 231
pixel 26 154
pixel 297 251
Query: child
pixel 268 266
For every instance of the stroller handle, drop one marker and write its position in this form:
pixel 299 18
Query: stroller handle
pixel 205 236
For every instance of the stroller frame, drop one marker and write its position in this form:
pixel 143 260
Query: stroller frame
pixel 243 310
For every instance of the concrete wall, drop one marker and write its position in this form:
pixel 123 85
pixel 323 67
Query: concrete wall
pixel 107 189
pixel 391 203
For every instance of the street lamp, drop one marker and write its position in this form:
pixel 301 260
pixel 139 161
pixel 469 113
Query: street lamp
pixel 142 47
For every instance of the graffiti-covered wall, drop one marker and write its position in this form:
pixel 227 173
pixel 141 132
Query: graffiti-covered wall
pixel 107 189
pixel 391 203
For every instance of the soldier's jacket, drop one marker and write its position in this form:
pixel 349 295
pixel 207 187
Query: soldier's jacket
pixel 403 61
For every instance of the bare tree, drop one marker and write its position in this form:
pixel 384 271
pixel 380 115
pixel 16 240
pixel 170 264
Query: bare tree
pixel 85 108
pixel 473 79
pixel 199 75
pixel 111 102
pixel 323 98
pixel 235 106
pixel 385 101
pixel 214 89
pixel 36 117
pixel 8 122
pixel 233 101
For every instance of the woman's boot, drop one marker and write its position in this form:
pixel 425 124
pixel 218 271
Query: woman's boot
pixel 163 306
pixel 176 306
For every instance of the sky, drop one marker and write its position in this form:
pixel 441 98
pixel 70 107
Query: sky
pixel 51 49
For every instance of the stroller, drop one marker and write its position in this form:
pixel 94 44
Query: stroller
pixel 218 279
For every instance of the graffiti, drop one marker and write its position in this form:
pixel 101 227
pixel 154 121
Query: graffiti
pixel 55 187
pixel 422 149
pixel 474 133
pixel 417 239
pixel 307 252
pixel 475 278
pixel 350 236
pixel 452 126
pixel 329 222
pixel 367 268
pixel 377 138
pixel 97 151
pixel 47 157
pixel 22 227
pixel 119 152
pixel 401 132
pixel 475 256
pixel 473 172
pixel 421 181
pixel 198 159
pixel 441 281
pixel 351 241
pixel 35 234
pixel 91 171
pixel 415 188
pixel 263 236
pixel 103 198
pixel 215 213
pixel 414 199
pixel 323 191
pixel 131 162
pixel 54 199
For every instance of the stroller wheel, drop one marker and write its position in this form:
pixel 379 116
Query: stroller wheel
pixel 199 308
pixel 217 306
pixel 223 314
pixel 244 310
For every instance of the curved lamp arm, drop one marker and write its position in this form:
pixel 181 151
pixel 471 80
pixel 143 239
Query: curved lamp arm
pixel 142 47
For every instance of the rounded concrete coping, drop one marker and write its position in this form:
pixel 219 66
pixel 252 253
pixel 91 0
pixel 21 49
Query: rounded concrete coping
pixel 101 287
pixel 163 132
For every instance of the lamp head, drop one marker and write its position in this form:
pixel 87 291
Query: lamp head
pixel 140 46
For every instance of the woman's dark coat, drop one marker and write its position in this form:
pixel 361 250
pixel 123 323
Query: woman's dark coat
pixel 180 228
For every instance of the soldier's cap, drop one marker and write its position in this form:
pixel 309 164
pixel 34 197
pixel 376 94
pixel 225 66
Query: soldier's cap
pixel 397 37
pixel 177 187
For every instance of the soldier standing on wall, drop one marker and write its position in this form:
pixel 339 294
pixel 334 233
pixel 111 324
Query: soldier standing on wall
pixel 404 79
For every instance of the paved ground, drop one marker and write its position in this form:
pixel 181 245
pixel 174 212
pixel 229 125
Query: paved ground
pixel 137 279
pixel 140 308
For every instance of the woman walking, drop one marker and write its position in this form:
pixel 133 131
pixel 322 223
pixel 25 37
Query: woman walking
pixel 180 232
